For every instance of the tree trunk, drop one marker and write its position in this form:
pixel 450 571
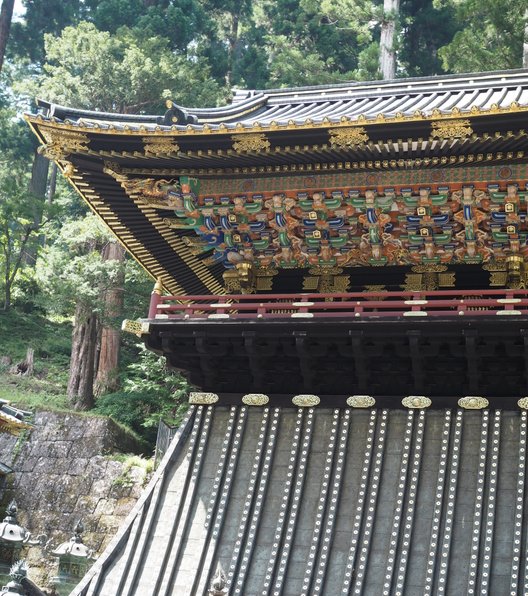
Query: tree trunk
pixel 37 187
pixel 52 185
pixel 232 41
pixel 525 44
pixel 388 28
pixel 6 16
pixel 107 379
pixel 84 339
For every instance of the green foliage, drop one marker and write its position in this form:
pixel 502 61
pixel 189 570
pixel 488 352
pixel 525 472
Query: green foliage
pixel 133 466
pixel 71 270
pixel 21 217
pixel 425 29
pixel 124 72
pixel 491 37
pixel 150 392
pixel 292 65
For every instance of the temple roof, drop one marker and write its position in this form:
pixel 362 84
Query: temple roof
pixel 287 182
pixel 328 501
pixel 466 94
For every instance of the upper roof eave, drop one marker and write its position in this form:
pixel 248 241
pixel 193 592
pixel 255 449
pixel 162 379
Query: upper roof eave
pixel 350 104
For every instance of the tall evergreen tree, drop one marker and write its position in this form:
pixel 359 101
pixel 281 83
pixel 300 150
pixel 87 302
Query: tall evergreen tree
pixel 6 16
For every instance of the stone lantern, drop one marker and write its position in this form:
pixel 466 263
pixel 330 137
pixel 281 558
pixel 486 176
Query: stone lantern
pixel 74 558
pixel 17 574
pixel 12 536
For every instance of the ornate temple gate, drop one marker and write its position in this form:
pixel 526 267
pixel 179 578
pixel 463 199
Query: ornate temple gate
pixel 341 271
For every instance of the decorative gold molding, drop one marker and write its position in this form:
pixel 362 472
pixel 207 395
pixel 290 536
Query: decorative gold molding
pixel 523 403
pixel 138 328
pixel 473 403
pixel 250 142
pixel 429 268
pixel 160 146
pixel 309 123
pixel 306 401
pixel 361 401
pixel 202 399
pixel 451 129
pixel 255 399
pixel 60 143
pixel 347 137
pixel 416 402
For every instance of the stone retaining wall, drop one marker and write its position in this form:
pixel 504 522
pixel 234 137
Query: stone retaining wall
pixel 64 471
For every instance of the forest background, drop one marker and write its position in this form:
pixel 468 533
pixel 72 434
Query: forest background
pixel 65 284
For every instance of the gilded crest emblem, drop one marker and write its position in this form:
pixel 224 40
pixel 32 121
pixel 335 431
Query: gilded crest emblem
pixel 202 399
pixel 306 401
pixel 250 142
pixel 451 129
pixel 160 146
pixel 360 401
pixel 473 403
pixel 349 136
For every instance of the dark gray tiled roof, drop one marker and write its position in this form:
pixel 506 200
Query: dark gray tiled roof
pixel 298 501
pixel 331 103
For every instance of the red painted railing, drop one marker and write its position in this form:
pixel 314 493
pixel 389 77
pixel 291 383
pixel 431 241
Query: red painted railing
pixel 364 305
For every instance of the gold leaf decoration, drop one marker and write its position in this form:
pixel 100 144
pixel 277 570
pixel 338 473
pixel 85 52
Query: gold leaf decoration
pixel 473 403
pixel 348 136
pixel 523 403
pixel 61 143
pixel 451 129
pixel 416 401
pixel 202 399
pixel 306 401
pixel 138 328
pixel 160 146
pixel 250 142
pixel 255 399
pixel 361 401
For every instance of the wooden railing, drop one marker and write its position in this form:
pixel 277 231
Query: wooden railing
pixel 364 305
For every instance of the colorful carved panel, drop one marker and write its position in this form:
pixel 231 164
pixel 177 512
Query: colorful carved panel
pixel 345 227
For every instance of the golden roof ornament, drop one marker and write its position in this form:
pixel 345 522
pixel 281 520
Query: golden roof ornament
pixel 255 399
pixel 348 136
pixel 523 403
pixel 306 401
pixel 360 401
pixel 61 143
pixel 160 146
pixel 138 328
pixel 473 403
pixel 451 129
pixel 202 399
pixel 250 142
pixel 416 402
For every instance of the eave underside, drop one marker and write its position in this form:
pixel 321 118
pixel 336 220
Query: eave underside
pixel 296 160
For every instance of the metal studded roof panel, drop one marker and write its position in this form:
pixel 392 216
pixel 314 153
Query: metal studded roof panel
pixel 323 502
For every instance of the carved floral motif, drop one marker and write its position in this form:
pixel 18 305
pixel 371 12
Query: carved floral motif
pixel 306 401
pixel 160 146
pixel 202 399
pixel 138 328
pixel 473 403
pixel 342 138
pixel 255 399
pixel 361 401
pixel 451 129
pixel 61 143
pixel 523 403
pixel 416 401
pixel 250 142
